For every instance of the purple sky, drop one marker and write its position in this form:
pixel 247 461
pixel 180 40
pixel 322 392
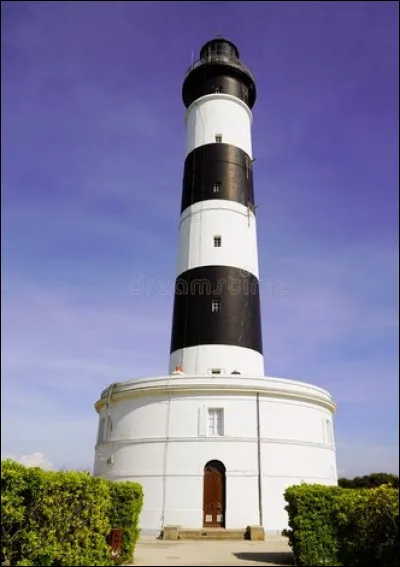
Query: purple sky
pixel 92 159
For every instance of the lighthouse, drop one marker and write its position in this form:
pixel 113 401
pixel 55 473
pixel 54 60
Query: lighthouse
pixel 216 325
pixel 215 442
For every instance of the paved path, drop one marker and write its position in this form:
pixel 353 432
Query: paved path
pixel 274 551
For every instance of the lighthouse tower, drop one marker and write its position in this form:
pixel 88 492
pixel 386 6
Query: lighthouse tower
pixel 216 323
pixel 215 442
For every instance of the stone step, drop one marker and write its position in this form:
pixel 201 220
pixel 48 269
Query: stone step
pixel 254 533
pixel 210 533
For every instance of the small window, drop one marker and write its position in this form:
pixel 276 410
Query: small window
pixel 216 305
pixel 216 422
pixel 218 138
pixel 217 241
pixel 217 187
pixel 101 430
pixel 329 434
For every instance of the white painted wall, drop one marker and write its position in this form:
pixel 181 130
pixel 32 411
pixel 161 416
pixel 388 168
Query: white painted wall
pixel 203 358
pixel 294 448
pixel 232 222
pixel 220 114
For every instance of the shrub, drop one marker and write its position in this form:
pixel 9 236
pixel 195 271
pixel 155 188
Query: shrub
pixel 313 535
pixel 368 521
pixel 13 510
pixel 335 526
pixel 127 498
pixel 64 518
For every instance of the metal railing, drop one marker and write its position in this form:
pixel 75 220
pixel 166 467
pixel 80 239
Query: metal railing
pixel 223 60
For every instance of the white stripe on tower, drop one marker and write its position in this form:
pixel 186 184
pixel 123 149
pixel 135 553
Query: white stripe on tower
pixel 219 113
pixel 216 324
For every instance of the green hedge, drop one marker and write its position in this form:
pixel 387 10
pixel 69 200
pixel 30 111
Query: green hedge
pixel 330 525
pixel 65 518
pixel 127 498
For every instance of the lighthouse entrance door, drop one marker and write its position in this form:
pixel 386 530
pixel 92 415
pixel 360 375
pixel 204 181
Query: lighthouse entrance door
pixel 214 495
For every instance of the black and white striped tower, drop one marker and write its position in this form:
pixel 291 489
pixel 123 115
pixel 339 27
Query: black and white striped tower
pixel 216 326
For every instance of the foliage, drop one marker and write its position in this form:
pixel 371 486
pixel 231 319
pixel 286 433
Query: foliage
pixel 127 498
pixel 369 526
pixel 330 525
pixel 314 534
pixel 64 518
pixel 370 481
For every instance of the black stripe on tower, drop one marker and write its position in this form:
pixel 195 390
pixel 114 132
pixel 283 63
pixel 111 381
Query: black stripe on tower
pixel 219 70
pixel 216 305
pixel 217 171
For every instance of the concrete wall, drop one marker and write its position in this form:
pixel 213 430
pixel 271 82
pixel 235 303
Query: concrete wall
pixel 202 359
pixel 295 448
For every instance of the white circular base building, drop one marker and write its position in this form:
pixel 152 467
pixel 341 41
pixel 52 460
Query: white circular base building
pixel 213 450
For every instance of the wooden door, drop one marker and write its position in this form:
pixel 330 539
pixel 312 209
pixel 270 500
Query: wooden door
pixel 214 495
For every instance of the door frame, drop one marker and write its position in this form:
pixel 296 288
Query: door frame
pixel 220 467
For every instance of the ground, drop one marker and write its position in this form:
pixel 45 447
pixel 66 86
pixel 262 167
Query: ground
pixel 274 551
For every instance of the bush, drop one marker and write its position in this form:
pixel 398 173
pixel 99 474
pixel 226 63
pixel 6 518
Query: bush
pixel 127 498
pixel 64 518
pixel 314 533
pixel 335 526
pixel 368 521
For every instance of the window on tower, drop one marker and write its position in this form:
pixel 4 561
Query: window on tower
pixel 215 422
pixel 217 241
pixel 218 138
pixel 217 187
pixel 216 305
pixel 103 430
pixel 329 434
pixel 100 433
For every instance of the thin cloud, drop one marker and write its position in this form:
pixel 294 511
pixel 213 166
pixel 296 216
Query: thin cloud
pixel 31 460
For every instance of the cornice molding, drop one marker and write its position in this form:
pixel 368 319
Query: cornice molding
pixel 182 384
pixel 207 438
